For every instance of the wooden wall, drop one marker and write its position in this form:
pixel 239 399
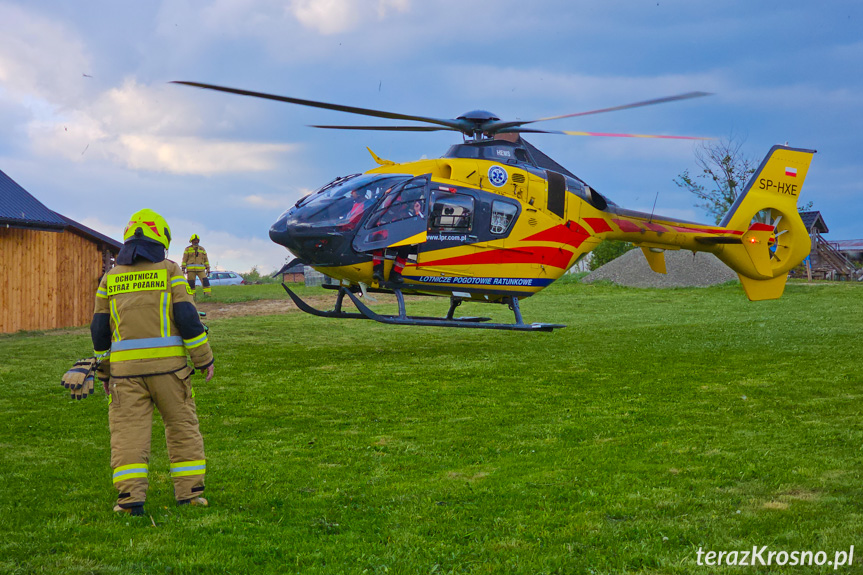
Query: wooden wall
pixel 49 279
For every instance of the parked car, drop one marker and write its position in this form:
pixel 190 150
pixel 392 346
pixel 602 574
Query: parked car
pixel 225 279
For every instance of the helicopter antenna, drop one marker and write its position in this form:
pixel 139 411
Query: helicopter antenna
pixel 650 220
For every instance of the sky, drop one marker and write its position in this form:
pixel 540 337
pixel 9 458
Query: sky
pixel 92 127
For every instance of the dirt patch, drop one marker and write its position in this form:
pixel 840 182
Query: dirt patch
pixel 458 476
pixel 218 310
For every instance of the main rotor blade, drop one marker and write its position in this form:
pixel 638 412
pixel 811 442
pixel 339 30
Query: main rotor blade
pixel 603 134
pixel 390 128
pixel 454 124
pixel 498 126
pixel 610 135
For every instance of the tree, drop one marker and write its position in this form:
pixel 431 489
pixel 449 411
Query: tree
pixel 254 276
pixel 725 170
pixel 606 251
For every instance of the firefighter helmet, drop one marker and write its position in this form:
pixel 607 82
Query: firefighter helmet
pixel 147 224
pixel 194 237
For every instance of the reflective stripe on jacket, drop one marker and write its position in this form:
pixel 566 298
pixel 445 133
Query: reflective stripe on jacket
pixel 195 258
pixel 145 337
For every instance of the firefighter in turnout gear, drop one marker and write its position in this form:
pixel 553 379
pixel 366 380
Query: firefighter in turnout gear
pixel 196 264
pixel 144 324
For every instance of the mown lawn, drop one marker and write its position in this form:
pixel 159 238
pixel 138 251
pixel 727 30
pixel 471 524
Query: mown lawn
pixel 659 422
pixel 241 293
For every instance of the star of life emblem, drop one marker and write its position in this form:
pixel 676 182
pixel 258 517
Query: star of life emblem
pixel 497 176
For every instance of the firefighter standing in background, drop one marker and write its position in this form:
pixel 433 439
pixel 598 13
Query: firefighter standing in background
pixel 196 264
pixel 144 323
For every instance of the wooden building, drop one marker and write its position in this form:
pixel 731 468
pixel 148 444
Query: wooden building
pixel 851 249
pixel 294 274
pixel 51 265
pixel 824 261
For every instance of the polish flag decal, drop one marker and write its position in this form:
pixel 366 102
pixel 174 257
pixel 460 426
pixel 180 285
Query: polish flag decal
pixel 791 172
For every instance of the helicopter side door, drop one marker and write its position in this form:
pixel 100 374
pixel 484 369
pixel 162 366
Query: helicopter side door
pixel 451 230
pixel 399 218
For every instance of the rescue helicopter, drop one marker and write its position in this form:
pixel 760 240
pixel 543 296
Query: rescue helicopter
pixel 496 220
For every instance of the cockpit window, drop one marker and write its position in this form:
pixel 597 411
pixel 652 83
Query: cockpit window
pixel 401 203
pixel 338 181
pixel 342 203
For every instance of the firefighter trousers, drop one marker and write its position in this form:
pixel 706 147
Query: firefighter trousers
pixel 205 281
pixel 130 418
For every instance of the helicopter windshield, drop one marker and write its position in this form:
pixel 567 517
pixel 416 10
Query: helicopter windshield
pixel 342 204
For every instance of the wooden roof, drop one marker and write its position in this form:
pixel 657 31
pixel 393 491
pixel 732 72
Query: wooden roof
pixel 19 209
pixel 814 222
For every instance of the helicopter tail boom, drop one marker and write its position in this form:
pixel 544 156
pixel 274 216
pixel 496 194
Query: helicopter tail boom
pixel 774 239
pixel 762 237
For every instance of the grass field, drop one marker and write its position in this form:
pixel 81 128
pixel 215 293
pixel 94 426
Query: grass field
pixel 659 422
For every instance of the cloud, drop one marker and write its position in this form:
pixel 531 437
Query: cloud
pixel 84 138
pixel 157 128
pixel 145 128
pixel 384 7
pixel 40 59
pixel 336 16
pixel 226 250
pixel 577 90
pixel 195 155
pixel 113 231
pixel 326 16
pixel 265 201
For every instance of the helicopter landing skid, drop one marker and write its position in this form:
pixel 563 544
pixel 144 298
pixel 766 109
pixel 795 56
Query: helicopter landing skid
pixel 338 313
pixel 403 319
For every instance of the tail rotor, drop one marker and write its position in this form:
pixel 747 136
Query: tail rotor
pixel 774 238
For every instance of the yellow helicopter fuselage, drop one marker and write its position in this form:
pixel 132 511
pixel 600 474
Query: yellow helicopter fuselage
pixel 558 222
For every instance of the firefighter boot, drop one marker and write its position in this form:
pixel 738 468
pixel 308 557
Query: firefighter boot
pixel 134 510
pixel 378 271
pixel 194 502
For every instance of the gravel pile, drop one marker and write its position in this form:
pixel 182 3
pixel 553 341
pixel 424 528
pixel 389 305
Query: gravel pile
pixel 685 269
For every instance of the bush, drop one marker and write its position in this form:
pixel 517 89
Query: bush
pixel 253 276
pixel 608 250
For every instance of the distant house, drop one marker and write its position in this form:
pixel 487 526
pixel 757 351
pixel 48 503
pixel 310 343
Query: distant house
pixel 851 249
pixel 51 264
pixel 293 274
pixel 313 277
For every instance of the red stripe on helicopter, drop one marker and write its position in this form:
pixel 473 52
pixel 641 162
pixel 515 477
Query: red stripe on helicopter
pixel 599 225
pixel 570 234
pixel 555 257
pixel 758 227
pixel 655 227
pixel 706 231
pixel 630 226
pixel 627 226
pixel 692 230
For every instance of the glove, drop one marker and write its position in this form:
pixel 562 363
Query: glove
pixel 79 380
pixel 88 388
